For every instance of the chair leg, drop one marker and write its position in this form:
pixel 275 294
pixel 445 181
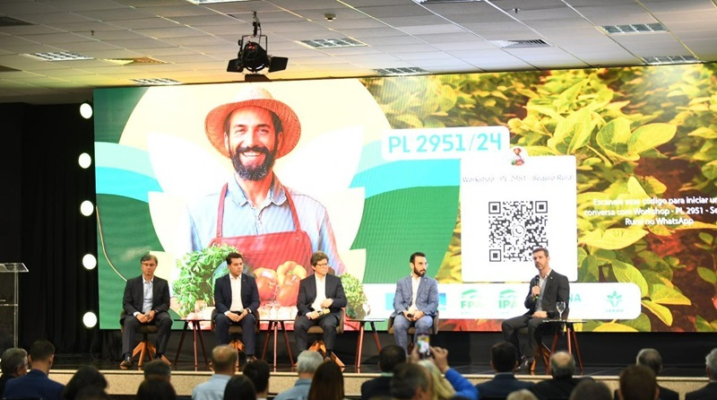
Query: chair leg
pixel 319 345
pixel 238 346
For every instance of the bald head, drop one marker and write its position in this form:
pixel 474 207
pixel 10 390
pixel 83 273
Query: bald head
pixel 562 365
pixel 224 359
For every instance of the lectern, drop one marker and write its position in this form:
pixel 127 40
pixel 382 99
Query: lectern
pixel 9 296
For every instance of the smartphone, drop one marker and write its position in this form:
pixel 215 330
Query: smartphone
pixel 424 346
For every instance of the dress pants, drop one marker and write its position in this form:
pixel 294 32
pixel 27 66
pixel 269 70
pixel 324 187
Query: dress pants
pixel 511 329
pixel 401 325
pixel 328 323
pixel 248 332
pixel 131 324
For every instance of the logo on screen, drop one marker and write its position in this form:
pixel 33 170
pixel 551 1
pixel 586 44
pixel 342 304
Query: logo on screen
pixel 470 299
pixel 615 299
pixel 506 299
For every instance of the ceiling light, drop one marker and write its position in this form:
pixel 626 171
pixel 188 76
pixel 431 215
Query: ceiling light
pixel 252 56
pixel 666 60
pixel 89 319
pixel 89 261
pixel 401 71
pixel 85 160
pixel 215 1
pixel 138 60
pixel 86 208
pixel 633 28
pixel 332 43
pixel 60 56
pixel 520 44
pixel 86 110
pixel 156 81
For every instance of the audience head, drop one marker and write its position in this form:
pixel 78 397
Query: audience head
pixel 523 394
pixel 327 383
pixel 591 390
pixel 638 382
pixel 711 363
pixel 14 362
pixel 503 357
pixel 258 373
pixel 156 389
pixel 84 377
pixel 650 358
pixel 92 393
pixel 224 359
pixel 562 365
pixel 307 362
pixel 157 369
pixel 390 356
pixel 410 382
pixel 239 388
pixel 42 351
pixel 442 389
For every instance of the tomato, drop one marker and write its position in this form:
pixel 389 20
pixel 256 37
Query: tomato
pixel 290 268
pixel 267 288
pixel 288 294
pixel 267 273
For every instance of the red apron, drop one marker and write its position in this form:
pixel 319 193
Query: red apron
pixel 268 250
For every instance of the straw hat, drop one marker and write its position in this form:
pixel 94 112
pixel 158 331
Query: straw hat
pixel 257 97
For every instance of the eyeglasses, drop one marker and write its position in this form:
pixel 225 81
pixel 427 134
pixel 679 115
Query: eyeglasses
pixel 322 265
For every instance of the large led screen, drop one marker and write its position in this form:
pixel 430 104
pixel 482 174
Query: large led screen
pixel 613 170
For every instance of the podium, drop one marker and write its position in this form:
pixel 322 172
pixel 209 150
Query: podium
pixel 9 296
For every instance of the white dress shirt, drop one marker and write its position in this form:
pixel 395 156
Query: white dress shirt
pixel 236 293
pixel 320 292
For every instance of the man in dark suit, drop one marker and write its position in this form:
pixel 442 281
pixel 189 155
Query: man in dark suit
pixel 562 368
pixel 709 391
pixel 504 361
pixel 638 382
pixel 546 290
pixel 652 359
pixel 36 383
pixel 388 358
pixel 320 302
pixel 236 298
pixel 146 301
pixel 14 364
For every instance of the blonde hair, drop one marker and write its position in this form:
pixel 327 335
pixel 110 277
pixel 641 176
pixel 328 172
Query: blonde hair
pixel 442 389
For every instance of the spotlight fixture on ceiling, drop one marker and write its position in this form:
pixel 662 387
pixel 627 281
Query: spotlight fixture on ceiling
pixel 252 56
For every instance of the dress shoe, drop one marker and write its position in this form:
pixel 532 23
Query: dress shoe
pixel 251 358
pixel 126 363
pixel 525 364
pixel 242 358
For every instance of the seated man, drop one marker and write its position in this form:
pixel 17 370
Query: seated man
pixel 14 364
pixel 321 298
pixel 638 382
pixel 415 302
pixel 504 361
pixel 236 297
pixel 546 290
pixel 224 360
pixel 709 391
pixel 388 358
pixel 306 364
pixel 145 301
pixel 652 359
pixel 562 368
pixel 36 383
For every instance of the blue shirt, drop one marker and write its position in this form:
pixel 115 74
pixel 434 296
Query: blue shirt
pixel 35 384
pixel 213 389
pixel 300 391
pixel 243 219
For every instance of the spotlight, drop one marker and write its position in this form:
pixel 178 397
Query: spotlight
pixel 89 319
pixel 89 262
pixel 85 160
pixel 86 208
pixel 253 57
pixel 86 110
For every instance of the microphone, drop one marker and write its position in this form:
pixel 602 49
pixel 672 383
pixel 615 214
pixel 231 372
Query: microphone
pixel 535 282
pixel 323 312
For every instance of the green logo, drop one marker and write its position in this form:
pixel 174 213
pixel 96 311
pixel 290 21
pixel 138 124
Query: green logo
pixel 614 298
pixel 469 299
pixel 506 299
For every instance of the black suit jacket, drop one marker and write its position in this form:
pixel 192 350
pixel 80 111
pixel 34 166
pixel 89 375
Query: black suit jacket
pixel 665 394
pixel 334 290
pixel 380 386
pixel 556 388
pixel 35 384
pixel 223 294
pixel 707 392
pixel 501 385
pixel 557 289
pixel 134 296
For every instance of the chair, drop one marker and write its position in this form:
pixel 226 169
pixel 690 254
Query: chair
pixel 412 329
pixel 235 332
pixel 319 343
pixel 145 347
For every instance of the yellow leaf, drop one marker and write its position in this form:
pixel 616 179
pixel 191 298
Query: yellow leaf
pixel 614 327
pixel 612 239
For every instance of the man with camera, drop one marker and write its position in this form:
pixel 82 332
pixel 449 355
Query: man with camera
pixel 415 302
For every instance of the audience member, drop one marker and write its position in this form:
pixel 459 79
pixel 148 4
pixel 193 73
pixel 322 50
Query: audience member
pixel 14 364
pixel 411 382
pixel 239 388
pixel 36 383
pixel 562 368
pixel 84 377
pixel 638 382
pixel 522 394
pixel 258 373
pixel 156 389
pixel 224 360
pixel 328 383
pixel 652 359
pixel 446 382
pixel 92 393
pixel 709 391
pixel 590 390
pixel 388 358
pixel 158 369
pixel 504 360
pixel 306 365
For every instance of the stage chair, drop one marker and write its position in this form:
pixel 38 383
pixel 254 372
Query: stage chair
pixel 319 344
pixel 235 332
pixel 145 348
pixel 412 329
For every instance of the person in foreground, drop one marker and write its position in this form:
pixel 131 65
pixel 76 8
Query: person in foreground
pixel 590 390
pixel 388 358
pixel 236 297
pixel 157 369
pixel 239 388
pixel 145 301
pixel 709 391
pixel 504 361
pixel 652 359
pixel 306 365
pixel 156 389
pixel 546 290
pixel 562 368
pixel 411 382
pixel 320 302
pixel 638 382
pixel 84 377
pixel 415 302
pixel 224 360
pixel 328 383
pixel 258 373
pixel 446 382
pixel 36 383
pixel 14 364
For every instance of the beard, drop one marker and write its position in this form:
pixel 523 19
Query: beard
pixel 253 173
pixel 419 273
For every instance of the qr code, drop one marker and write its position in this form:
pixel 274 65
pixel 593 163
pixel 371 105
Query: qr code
pixel 515 228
